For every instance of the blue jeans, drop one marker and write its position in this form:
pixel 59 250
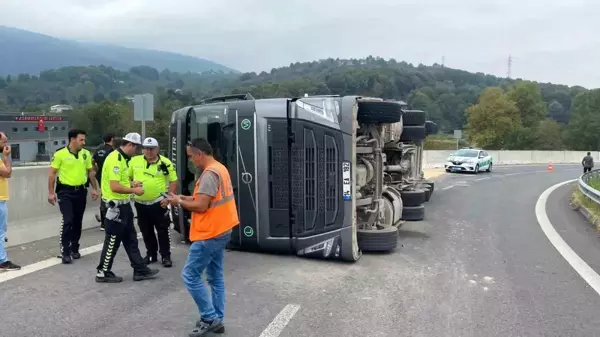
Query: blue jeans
pixel 209 255
pixel 3 221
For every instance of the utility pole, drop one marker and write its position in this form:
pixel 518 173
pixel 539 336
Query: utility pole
pixel 509 70
pixel 443 61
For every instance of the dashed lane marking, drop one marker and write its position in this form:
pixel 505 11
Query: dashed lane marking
pixel 280 321
pixel 581 267
pixel 447 187
pixel 480 179
pixel 32 268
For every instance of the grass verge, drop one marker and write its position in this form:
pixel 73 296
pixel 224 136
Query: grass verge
pixel 578 200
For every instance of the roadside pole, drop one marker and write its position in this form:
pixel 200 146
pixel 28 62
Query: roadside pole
pixel 143 110
pixel 458 136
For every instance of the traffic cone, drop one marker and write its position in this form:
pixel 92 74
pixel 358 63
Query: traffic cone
pixel 550 167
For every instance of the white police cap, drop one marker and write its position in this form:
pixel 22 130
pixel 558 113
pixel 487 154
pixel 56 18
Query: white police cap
pixel 150 142
pixel 134 138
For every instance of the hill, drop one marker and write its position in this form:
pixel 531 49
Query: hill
pixel 444 93
pixel 25 52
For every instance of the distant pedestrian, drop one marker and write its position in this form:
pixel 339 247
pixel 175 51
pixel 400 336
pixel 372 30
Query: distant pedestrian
pixel 157 176
pixel 214 214
pixel 98 158
pixel 587 162
pixel 5 173
pixel 71 170
pixel 116 193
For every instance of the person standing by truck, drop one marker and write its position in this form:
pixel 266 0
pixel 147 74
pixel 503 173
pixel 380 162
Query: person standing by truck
pixel 116 193
pixel 157 176
pixel 587 163
pixel 98 159
pixel 71 170
pixel 5 173
pixel 214 214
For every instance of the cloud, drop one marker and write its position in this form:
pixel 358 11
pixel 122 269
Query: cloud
pixel 261 34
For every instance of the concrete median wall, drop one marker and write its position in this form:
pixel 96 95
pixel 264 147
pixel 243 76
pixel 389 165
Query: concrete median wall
pixel 30 216
pixel 437 158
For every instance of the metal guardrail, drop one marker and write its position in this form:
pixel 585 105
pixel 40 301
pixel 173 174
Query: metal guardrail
pixel 586 189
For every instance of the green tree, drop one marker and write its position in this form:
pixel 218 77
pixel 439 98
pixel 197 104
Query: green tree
pixel 582 131
pixel 557 112
pixel 492 119
pixel 528 99
pixel 548 136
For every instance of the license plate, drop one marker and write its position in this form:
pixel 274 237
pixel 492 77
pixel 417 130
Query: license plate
pixel 455 169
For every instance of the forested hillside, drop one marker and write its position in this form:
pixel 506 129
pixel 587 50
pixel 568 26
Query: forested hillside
pixel 520 109
pixel 27 52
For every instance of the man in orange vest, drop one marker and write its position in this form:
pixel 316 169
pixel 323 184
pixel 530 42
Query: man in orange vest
pixel 214 214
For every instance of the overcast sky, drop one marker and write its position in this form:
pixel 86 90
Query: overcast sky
pixel 550 40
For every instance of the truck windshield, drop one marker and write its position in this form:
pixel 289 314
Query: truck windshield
pixel 212 125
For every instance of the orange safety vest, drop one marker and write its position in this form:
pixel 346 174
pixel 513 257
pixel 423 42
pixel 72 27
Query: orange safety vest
pixel 221 214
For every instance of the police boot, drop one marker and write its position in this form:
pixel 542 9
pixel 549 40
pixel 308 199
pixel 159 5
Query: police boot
pixel 144 274
pixel 166 262
pixel 150 259
pixel 67 259
pixel 107 277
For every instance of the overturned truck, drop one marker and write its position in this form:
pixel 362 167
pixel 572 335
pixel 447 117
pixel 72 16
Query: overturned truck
pixel 316 176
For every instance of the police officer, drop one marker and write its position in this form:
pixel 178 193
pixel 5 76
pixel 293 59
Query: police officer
pixel 71 168
pixel 116 192
pixel 154 172
pixel 98 159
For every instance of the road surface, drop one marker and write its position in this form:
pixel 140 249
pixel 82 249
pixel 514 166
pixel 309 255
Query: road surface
pixel 478 266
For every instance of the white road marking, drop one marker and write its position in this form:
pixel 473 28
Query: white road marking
pixel 583 269
pixel 53 261
pixel 510 174
pixel 447 187
pixel 280 321
pixel 480 179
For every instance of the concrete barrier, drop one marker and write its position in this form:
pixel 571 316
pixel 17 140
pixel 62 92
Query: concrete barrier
pixel 437 158
pixel 30 216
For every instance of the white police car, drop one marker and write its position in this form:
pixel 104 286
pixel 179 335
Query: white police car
pixel 469 160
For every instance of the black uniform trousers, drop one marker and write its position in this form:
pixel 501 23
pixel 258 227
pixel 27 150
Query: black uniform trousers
pixel 152 217
pixel 102 204
pixel 72 202
pixel 121 230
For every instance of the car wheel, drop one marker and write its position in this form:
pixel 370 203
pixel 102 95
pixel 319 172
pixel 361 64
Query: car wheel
pixel 377 240
pixel 414 213
pixel 413 198
pixel 489 169
pixel 476 169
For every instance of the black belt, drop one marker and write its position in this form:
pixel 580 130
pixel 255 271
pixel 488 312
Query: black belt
pixel 72 188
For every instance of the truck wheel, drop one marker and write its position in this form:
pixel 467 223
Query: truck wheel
pixel 428 193
pixel 413 198
pixel 372 112
pixel 429 183
pixel 413 117
pixel 414 213
pixel 431 128
pixel 413 133
pixel 377 240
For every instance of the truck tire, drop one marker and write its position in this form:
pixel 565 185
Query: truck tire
pixel 377 240
pixel 414 213
pixel 431 128
pixel 413 117
pixel 413 198
pixel 375 112
pixel 428 193
pixel 413 133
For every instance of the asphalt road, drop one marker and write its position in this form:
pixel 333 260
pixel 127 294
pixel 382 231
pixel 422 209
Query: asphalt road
pixel 479 265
